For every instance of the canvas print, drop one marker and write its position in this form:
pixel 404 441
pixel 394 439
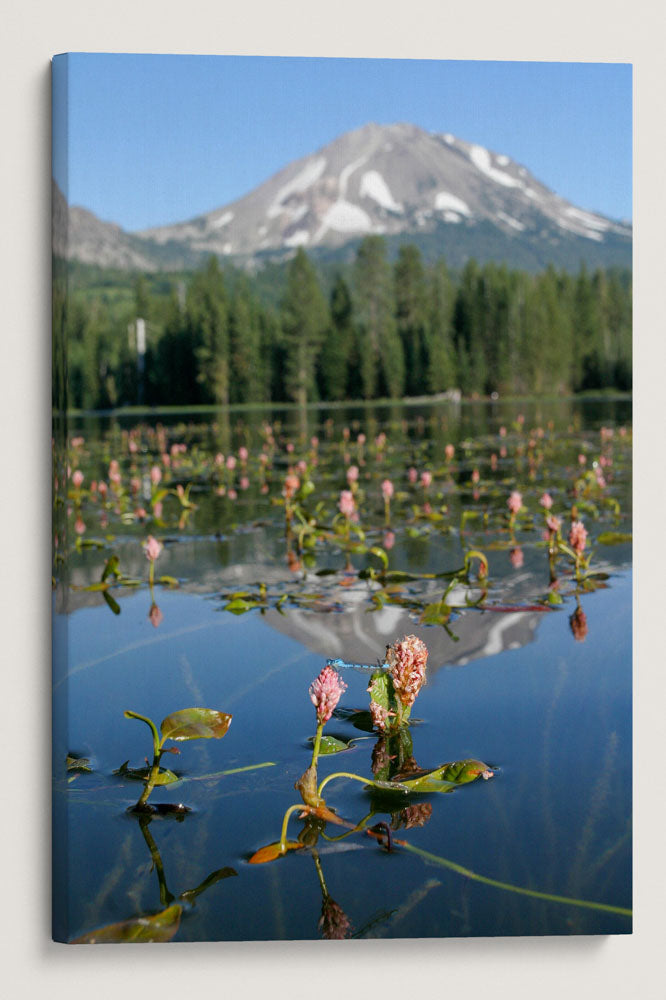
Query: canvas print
pixel 342 536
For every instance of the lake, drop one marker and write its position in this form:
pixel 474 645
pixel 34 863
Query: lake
pixel 260 577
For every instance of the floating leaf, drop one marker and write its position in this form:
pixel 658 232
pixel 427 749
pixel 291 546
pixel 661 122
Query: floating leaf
pixel 273 851
pixel 161 926
pixel 79 764
pixel 239 606
pixel 435 614
pixel 168 581
pixel 613 538
pixel 330 744
pixel 195 724
pixel 164 776
pixel 554 597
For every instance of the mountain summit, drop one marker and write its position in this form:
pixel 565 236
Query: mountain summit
pixel 452 197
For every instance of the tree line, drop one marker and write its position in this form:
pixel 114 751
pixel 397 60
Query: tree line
pixel 380 329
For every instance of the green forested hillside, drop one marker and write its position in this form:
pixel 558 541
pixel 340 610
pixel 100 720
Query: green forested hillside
pixel 367 328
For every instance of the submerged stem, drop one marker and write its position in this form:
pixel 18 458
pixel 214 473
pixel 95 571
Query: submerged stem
pixel 533 893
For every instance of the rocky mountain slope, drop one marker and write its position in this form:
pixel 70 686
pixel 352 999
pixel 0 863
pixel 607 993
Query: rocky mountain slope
pixel 451 197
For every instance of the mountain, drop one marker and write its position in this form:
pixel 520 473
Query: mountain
pixel 452 198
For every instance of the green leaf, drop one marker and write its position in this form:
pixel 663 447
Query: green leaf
pixel 161 926
pixel 459 772
pixel 78 764
pixel 111 567
pixel 195 724
pixel 613 538
pixel 380 689
pixel 239 606
pixel 168 581
pixel 435 614
pixel 190 894
pixel 330 744
pixel 376 550
pixel 272 851
pixel 554 597
pixel 164 776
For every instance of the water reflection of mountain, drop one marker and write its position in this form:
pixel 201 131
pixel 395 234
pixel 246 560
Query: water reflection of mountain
pixel 339 620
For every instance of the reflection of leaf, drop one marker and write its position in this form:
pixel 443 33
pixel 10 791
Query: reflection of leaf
pixel 195 724
pixel 459 772
pixel 113 604
pixel 160 927
pixel 272 851
pixel 164 776
pixel 111 567
pixel 613 538
pixel 214 877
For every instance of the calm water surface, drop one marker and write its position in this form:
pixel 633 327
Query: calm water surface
pixel 542 700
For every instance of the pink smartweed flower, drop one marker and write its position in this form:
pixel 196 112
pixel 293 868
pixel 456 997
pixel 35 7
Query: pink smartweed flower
pixel 79 525
pixel 346 503
pixel 76 442
pixel 379 715
pixel 582 459
pixel 152 548
pixel 412 475
pixel 155 475
pixel 577 536
pixel 407 661
pixel 231 463
pixel 135 484
pixel 290 447
pixel 325 692
pixel 302 466
pixel 380 440
pixel 244 482
pixel 553 524
pixel 387 489
pixel 546 501
pixel 502 432
pixel 77 479
pixel 314 441
pixel 232 494
pixel 388 540
pixel 219 459
pixel 103 488
pixel 352 474
pixel 157 509
pixel 291 484
pixel 493 461
pixel 475 475
pixel 243 453
pixel 361 439
pixel 449 452
pixel 426 479
pixel 515 502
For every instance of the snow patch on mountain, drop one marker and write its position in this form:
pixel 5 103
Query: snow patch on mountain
pixel 374 186
pixel 480 157
pixel 444 201
pixel 510 221
pixel 449 139
pixel 502 160
pixel 589 221
pixel 306 177
pixel 344 217
pixel 297 239
pixel 451 217
pixel 222 220
pixel 573 227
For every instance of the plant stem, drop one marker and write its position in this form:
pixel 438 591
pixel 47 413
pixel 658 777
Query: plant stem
pixel 317 744
pixel 533 893
pixel 342 774
pixel 285 821
pixel 157 743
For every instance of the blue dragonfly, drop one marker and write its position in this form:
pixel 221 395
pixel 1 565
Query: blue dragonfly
pixel 339 664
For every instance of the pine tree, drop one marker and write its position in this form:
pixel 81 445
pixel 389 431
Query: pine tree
pixel 304 322
pixel 441 370
pixel 207 322
pixel 411 310
pixel 336 357
pixel 382 362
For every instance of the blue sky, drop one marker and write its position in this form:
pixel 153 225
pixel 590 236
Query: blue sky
pixel 156 139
